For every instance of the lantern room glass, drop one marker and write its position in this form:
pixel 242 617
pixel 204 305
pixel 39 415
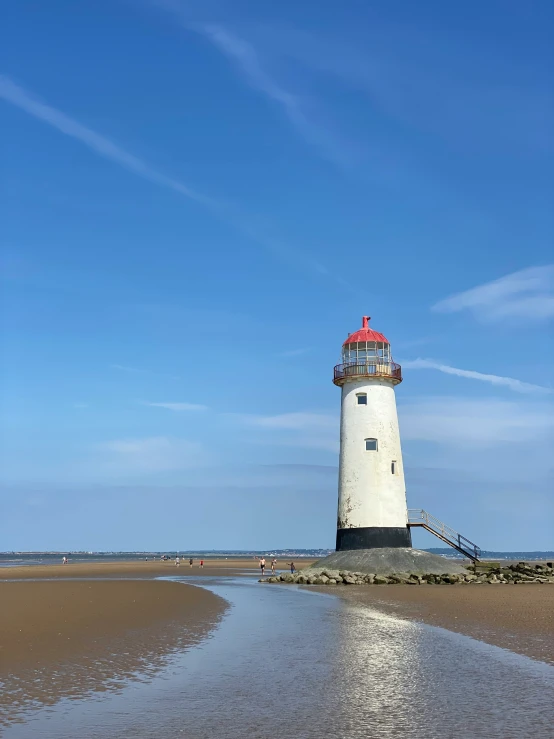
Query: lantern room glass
pixel 366 352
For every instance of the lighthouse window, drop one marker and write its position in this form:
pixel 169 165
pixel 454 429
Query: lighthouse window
pixel 393 468
pixel 362 399
pixel 371 445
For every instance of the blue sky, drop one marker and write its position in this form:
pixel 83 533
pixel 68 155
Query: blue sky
pixel 201 200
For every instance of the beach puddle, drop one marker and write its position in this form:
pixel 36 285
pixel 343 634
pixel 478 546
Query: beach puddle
pixel 287 662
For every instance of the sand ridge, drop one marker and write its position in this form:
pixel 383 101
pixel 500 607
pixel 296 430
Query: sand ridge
pixel 516 617
pixel 68 637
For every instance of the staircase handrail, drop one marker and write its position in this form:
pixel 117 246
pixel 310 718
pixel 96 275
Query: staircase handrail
pixel 420 515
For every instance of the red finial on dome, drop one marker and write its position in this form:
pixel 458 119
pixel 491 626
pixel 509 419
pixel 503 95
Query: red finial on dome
pixel 366 334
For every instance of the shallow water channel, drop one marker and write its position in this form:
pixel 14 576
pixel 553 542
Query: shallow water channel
pixel 290 663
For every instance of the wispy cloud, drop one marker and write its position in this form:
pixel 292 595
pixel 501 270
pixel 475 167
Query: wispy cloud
pixel 246 224
pixel 177 406
pixel 248 61
pixel 153 454
pixel 294 421
pixel 21 98
pixel 524 295
pixel 475 422
pixel 517 386
pixel 302 429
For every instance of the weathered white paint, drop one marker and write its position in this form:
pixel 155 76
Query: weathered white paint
pixel 369 494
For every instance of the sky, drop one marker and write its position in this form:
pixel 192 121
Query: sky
pixel 200 200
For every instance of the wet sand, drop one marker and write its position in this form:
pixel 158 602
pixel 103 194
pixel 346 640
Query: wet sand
pixel 65 638
pixel 515 617
pixel 68 630
pixel 146 570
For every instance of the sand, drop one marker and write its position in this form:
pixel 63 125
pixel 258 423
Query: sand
pixel 66 638
pixel 67 630
pixel 516 617
pixel 147 570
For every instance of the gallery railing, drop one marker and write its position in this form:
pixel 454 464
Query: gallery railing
pixel 367 369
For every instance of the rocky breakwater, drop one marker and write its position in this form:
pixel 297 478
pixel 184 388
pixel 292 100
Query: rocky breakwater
pixel 510 575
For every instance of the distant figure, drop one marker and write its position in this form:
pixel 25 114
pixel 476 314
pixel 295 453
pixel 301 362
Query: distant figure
pixel 262 565
pixel 191 562
pixel 292 568
pixel 273 565
pixel 201 563
pixel 64 560
pixel 177 561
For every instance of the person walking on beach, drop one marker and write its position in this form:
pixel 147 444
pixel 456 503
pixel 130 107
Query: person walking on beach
pixel 292 568
pixel 191 562
pixel 273 565
pixel 201 563
pixel 64 561
pixel 177 561
pixel 262 565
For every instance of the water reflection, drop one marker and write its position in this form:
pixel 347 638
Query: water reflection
pixel 292 663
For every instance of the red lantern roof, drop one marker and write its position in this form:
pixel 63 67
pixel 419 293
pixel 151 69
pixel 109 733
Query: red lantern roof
pixel 366 334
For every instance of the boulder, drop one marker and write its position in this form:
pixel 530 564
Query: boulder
pixel 380 580
pixel 331 574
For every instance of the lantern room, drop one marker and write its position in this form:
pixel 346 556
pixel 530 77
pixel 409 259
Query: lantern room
pixel 367 353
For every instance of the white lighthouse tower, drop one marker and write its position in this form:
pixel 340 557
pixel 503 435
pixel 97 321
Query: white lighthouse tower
pixel 372 510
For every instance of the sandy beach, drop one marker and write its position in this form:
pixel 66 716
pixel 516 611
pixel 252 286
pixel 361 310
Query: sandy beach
pixel 146 570
pixel 519 618
pixel 68 637
pixel 67 630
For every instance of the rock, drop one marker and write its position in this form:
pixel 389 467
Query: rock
pixel 324 579
pixel 319 581
pixel 470 578
pixel 401 580
pixel 331 574
pixel 349 580
pixel 381 580
pixel 369 579
pixel 331 581
pixel 452 579
pixel 311 580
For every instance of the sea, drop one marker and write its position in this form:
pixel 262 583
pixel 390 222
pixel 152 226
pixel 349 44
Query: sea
pixel 16 559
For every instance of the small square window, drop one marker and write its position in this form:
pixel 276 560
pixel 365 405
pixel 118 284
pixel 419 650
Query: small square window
pixel 362 399
pixel 371 445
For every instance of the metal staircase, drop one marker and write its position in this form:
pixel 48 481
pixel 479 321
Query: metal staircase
pixel 419 517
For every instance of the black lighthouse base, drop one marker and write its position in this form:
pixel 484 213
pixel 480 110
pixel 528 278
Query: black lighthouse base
pixel 373 537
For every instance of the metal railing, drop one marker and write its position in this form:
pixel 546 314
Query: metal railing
pixel 419 517
pixel 367 369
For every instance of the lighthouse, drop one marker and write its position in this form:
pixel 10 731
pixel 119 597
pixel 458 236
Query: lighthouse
pixel 372 510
